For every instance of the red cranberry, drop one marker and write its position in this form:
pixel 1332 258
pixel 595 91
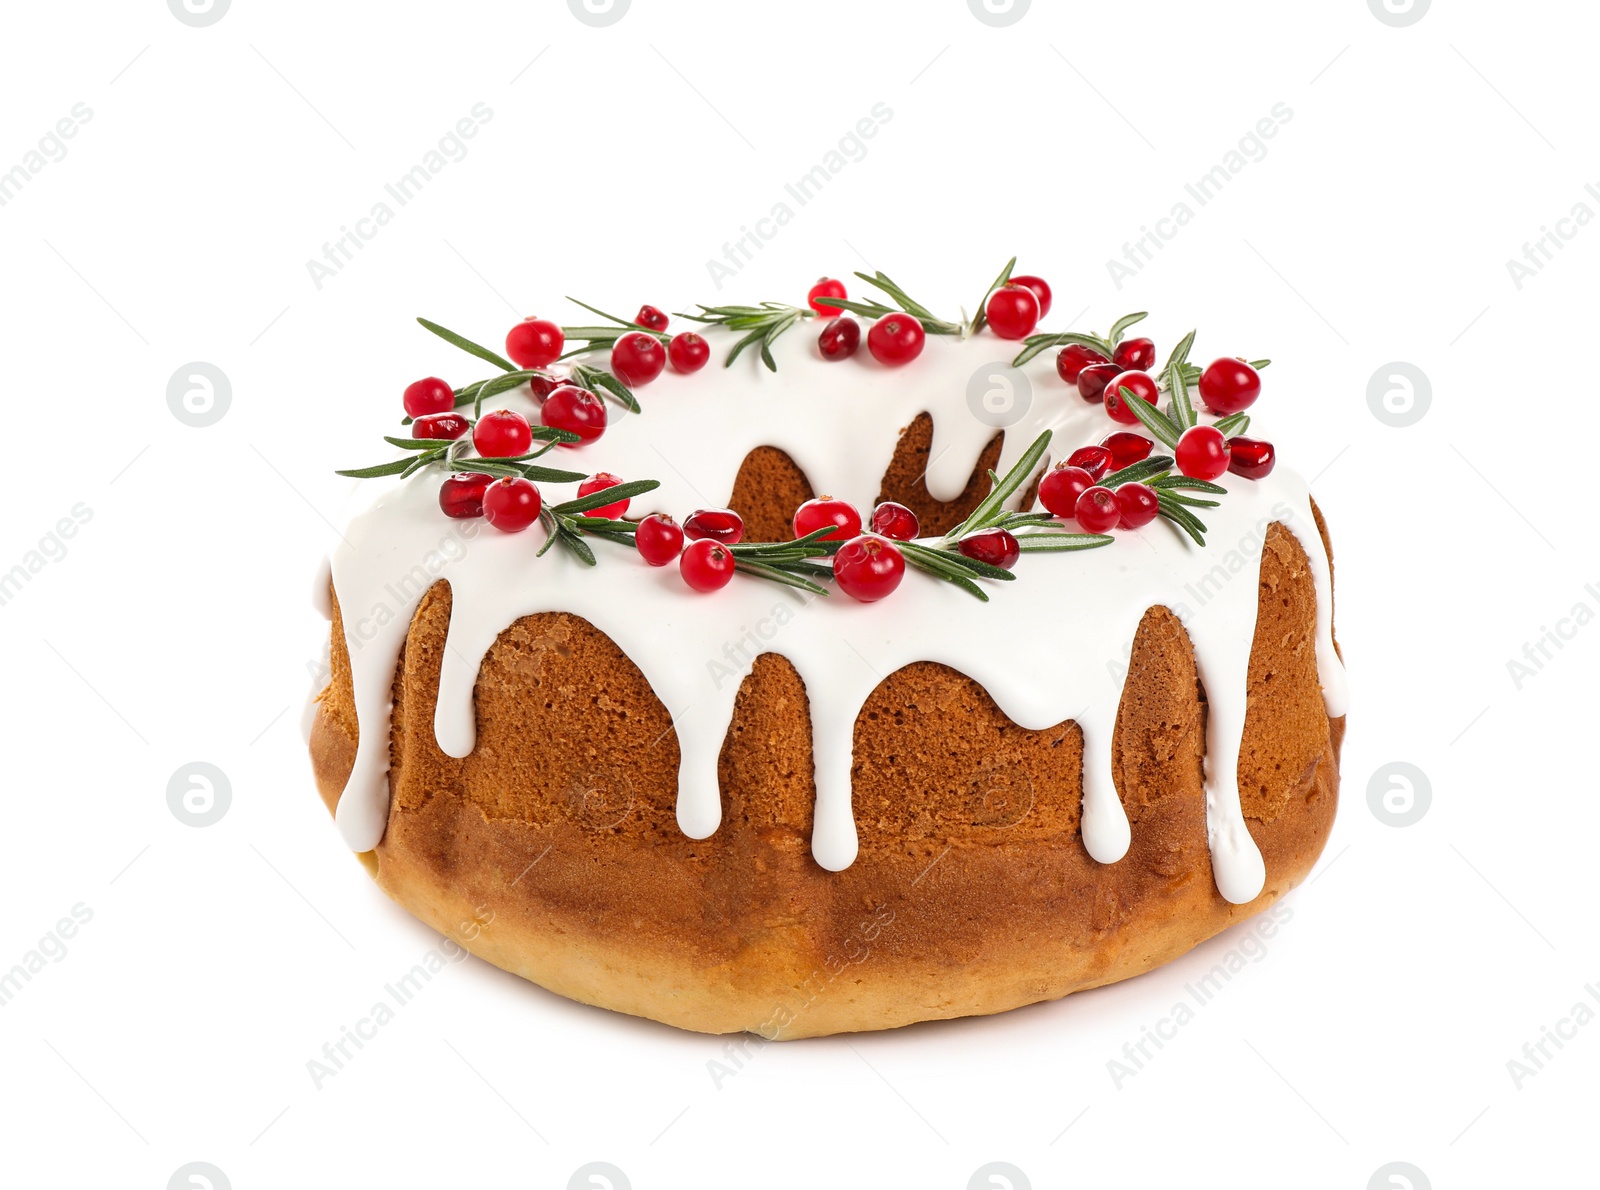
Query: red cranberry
pixel 511 505
pixel 428 395
pixel 1073 359
pixel 649 316
pixel 502 434
pixel 1012 311
pixel 895 521
pixel 1096 460
pixel 446 427
pixel 1229 386
pixel 1202 452
pixel 706 565
pixel 1097 510
pixel 714 524
pixel 1252 458
pixel 599 482
pixel 1142 384
pixel 638 358
pixel 576 409
pixel 1127 448
pixel 461 494
pixel 544 384
pixel 688 352
pixel 534 343
pixel 825 512
pixel 1138 504
pixel 1060 488
pixel 1136 355
pixel 1041 290
pixel 1093 379
pixel 827 287
pixel 658 539
pixel 896 339
pixel 840 338
pixel 868 567
pixel 994 546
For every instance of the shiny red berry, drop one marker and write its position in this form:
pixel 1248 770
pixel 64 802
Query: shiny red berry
pixel 997 547
pixel 461 494
pixel 714 524
pixel 638 358
pixel 840 338
pixel 443 426
pixel 544 384
pixel 688 352
pixel 1229 386
pixel 827 287
pixel 1202 452
pixel 534 343
pixel 868 567
pixel 649 316
pixel 1252 458
pixel 895 521
pixel 1138 505
pixel 1093 379
pixel 896 339
pixel 428 395
pixel 511 505
pixel 1096 460
pixel 824 512
pixel 577 410
pixel 1073 359
pixel 706 565
pixel 1060 488
pixel 599 482
pixel 658 539
pixel 502 434
pixel 1141 384
pixel 1127 448
pixel 1097 510
pixel 1012 311
pixel 1136 355
pixel 1041 290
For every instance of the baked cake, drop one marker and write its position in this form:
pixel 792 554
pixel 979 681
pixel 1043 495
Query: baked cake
pixel 967 719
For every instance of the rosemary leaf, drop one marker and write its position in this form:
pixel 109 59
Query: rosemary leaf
pixel 1122 324
pixel 394 468
pixel 601 381
pixel 1140 472
pixel 611 495
pixel 1234 423
pixel 467 345
pixel 1180 352
pixel 981 317
pixel 1034 344
pixel 788 579
pixel 1051 543
pixel 1154 420
pixel 1182 408
pixel 1001 490
pixel 1188 484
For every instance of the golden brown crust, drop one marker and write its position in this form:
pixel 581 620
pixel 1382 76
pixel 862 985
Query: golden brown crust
pixel 553 850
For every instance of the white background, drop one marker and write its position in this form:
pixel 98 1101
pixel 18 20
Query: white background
pixel 176 628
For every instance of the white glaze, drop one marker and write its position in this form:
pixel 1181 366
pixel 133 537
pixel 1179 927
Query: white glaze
pixel 1048 647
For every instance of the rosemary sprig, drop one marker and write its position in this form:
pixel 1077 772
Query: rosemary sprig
pixel 603 338
pixel 762 324
pixel 981 318
pixel 566 524
pixel 1106 346
pixel 606 384
pixel 467 345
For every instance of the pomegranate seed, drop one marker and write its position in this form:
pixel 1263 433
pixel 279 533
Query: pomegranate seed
pixel 461 494
pixel 825 512
pixel 576 409
pixel 1041 290
pixel 840 338
pixel 1097 510
pixel 659 539
pixel 1059 489
pixel 1202 452
pixel 446 427
pixel 1136 355
pixel 994 546
pixel 896 339
pixel 502 434
pixel 1093 379
pixel 1012 311
pixel 544 384
pixel 714 524
pixel 649 316
pixel 1229 386
pixel 868 567
pixel 1252 458
pixel 1073 359
pixel 638 358
pixel 1141 384
pixel 534 343
pixel 428 395
pixel 1138 504
pixel 688 352
pixel 599 482
pixel 895 521
pixel 706 565
pixel 1127 448
pixel 511 505
pixel 1096 460
pixel 826 287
